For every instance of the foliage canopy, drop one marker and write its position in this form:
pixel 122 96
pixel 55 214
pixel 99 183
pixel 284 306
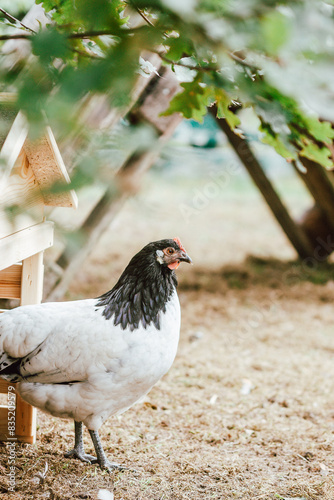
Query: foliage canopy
pixel 275 57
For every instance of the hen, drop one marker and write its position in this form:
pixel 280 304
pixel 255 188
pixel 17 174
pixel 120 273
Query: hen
pixel 89 359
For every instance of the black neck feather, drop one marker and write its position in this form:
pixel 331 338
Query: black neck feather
pixel 140 294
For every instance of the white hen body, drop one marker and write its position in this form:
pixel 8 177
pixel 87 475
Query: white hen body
pixel 79 364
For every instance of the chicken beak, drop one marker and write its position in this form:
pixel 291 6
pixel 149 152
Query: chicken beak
pixel 184 257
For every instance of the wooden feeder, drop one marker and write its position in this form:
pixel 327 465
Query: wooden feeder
pixel 30 168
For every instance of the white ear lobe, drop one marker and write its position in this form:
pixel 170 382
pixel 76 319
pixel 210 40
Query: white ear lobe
pixel 160 255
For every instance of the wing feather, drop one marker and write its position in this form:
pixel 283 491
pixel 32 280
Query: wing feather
pixel 57 342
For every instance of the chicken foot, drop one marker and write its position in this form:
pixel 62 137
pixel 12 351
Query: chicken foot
pixel 78 450
pixel 102 460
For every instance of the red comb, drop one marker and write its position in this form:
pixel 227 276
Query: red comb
pixel 178 241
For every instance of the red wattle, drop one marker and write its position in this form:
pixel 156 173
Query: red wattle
pixel 174 265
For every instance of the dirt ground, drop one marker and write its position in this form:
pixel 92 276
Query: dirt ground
pixel 247 410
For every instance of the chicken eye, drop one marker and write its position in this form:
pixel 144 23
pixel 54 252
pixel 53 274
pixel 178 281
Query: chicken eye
pixel 170 250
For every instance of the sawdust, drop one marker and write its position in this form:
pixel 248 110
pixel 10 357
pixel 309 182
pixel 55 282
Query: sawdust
pixel 247 410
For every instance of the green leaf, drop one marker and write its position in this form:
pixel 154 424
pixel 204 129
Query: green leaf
pixel 223 102
pixel 177 48
pixel 49 44
pixel 274 140
pixel 195 99
pixel 318 154
pixel 191 103
pixel 321 131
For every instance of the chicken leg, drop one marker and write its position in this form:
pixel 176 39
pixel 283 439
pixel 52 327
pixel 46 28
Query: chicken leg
pixel 102 460
pixel 78 450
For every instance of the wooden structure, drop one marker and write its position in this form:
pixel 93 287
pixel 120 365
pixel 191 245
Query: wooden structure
pixel 30 169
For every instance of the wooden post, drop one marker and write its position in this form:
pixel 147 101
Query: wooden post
pixel 25 282
pixel 32 279
pixel 31 293
pixel 292 230
pixel 320 185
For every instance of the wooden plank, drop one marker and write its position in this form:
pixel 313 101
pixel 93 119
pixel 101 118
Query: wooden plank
pixel 10 282
pixel 292 230
pixel 31 293
pixel 4 413
pixel 71 195
pixel 25 423
pixel 3 390
pixel 10 290
pixel 21 245
pixel 27 439
pixel 14 142
pixel 20 189
pixel 48 167
pixel 32 279
pixel 12 273
pixel 3 423
pixel 4 386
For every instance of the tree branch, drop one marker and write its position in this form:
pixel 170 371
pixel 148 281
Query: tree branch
pixel 15 37
pixel 205 69
pixel 146 19
pixel 71 36
pixel 13 19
